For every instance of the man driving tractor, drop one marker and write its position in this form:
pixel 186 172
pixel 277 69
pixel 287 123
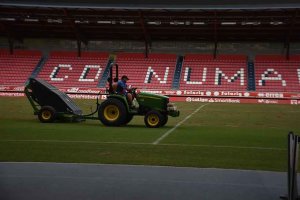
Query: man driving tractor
pixel 123 89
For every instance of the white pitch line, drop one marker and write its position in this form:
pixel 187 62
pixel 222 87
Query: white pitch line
pixel 175 127
pixel 141 143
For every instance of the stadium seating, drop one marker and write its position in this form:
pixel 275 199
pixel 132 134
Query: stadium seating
pixel 15 69
pixel 154 72
pixel 225 73
pixel 276 74
pixel 65 69
pixel 273 73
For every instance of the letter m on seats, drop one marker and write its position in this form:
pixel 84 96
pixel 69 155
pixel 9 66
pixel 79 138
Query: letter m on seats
pixel 151 73
pixel 220 75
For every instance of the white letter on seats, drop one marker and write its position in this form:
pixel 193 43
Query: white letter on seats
pixel 186 74
pixel 239 74
pixel 85 73
pixel 151 71
pixel 265 77
pixel 298 72
pixel 56 70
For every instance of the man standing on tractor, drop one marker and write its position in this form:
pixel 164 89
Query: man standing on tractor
pixel 123 89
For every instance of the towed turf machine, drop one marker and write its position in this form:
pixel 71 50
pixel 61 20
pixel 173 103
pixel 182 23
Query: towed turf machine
pixel 50 104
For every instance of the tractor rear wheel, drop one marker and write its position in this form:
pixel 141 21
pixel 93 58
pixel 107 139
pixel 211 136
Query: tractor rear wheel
pixel 47 114
pixel 112 112
pixel 153 119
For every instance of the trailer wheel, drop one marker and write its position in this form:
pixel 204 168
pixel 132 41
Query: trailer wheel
pixel 112 112
pixel 47 114
pixel 164 120
pixel 153 119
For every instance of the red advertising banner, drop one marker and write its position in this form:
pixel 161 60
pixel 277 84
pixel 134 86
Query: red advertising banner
pixel 245 94
pixel 179 95
pixel 11 94
pixel 187 93
pixel 235 100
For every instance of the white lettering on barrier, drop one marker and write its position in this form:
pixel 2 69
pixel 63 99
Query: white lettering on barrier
pixel 238 75
pixel 270 95
pixel 267 101
pixel 153 91
pixel 170 92
pixel 212 100
pixel 294 102
pixel 266 77
pixel 83 90
pixel 187 73
pixel 277 95
pixel 246 94
pixel 73 90
pixel 298 73
pixel 56 70
pixel 236 94
pixel 85 72
pixel 151 72
pixel 82 96
pixel 20 88
pixel 86 96
pixel 11 94
pixel 193 92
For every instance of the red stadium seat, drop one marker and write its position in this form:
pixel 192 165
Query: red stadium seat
pixel 15 69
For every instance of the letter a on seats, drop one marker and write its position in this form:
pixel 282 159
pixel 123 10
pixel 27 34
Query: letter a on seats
pixel 266 76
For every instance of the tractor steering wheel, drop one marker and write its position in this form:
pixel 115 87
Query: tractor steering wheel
pixel 133 91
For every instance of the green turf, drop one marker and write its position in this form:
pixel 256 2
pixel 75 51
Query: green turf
pixel 219 135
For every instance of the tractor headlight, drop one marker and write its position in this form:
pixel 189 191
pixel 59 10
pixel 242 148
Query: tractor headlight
pixel 171 107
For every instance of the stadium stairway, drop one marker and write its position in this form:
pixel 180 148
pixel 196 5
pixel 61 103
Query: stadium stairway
pixel 177 73
pixel 251 76
pixel 103 80
pixel 39 67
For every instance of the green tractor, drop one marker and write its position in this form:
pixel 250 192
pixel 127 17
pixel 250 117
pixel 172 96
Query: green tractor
pixel 115 110
pixel 51 104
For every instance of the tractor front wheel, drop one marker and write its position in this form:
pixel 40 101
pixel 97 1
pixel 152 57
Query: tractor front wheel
pixel 47 114
pixel 112 112
pixel 153 119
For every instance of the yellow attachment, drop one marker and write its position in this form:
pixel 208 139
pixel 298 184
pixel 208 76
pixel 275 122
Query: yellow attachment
pixel 153 120
pixel 46 114
pixel 111 112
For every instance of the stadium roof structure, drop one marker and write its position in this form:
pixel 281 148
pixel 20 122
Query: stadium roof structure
pixel 215 21
pixel 158 4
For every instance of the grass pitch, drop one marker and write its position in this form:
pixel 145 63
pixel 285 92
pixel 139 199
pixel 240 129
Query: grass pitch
pixel 235 136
